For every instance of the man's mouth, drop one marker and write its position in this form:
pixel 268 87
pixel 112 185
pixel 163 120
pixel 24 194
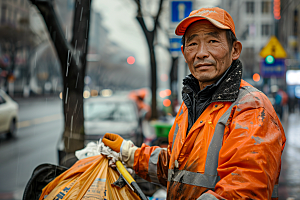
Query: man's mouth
pixel 203 65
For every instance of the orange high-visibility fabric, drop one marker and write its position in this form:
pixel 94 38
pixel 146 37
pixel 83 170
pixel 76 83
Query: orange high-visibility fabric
pixel 249 159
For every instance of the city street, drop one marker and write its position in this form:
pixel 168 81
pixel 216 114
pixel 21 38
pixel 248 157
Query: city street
pixel 40 126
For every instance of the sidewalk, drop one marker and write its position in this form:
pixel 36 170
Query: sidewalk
pixel 289 182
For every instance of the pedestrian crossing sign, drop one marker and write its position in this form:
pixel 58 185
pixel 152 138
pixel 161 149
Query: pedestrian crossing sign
pixel 273 48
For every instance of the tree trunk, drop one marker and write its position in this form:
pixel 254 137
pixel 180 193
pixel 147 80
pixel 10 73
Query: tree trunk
pixel 74 79
pixel 73 64
pixel 153 81
pixel 173 75
pixel 150 41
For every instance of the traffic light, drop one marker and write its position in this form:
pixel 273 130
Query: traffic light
pixel 130 60
pixel 269 59
pixel 256 77
pixel 276 9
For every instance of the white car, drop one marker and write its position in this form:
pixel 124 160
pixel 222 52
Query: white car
pixel 8 115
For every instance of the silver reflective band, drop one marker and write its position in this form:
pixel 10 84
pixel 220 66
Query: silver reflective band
pixel 212 158
pixel 201 180
pixel 275 191
pixel 152 167
pixel 180 112
pixel 193 178
pixel 174 136
pixel 207 196
pixel 176 130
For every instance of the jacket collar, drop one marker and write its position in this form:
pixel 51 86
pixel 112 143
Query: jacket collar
pixel 226 89
pixel 229 88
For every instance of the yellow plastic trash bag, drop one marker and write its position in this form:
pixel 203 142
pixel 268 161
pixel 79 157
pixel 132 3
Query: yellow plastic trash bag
pixel 89 178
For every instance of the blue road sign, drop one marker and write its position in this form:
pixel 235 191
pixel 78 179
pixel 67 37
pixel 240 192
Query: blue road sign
pixel 277 69
pixel 180 10
pixel 175 44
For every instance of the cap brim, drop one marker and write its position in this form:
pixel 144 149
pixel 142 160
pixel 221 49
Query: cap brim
pixel 183 25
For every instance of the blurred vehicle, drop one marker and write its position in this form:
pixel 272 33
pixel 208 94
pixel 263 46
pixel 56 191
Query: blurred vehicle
pixel 8 115
pixel 115 114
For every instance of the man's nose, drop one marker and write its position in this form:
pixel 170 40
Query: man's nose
pixel 202 51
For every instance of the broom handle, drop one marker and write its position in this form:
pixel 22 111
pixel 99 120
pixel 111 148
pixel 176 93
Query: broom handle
pixel 122 170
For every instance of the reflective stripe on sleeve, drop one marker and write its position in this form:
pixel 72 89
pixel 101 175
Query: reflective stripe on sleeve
pixel 193 178
pixel 152 168
pixel 275 192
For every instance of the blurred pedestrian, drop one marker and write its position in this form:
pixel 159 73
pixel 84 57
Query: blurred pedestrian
pixel 281 100
pixel 143 108
pixel 283 103
pixel 226 141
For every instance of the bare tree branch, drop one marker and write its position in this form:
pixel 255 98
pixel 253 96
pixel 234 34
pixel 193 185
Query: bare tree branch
pixel 157 15
pixel 150 35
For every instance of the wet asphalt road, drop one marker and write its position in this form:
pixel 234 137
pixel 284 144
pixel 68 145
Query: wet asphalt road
pixel 289 182
pixel 40 126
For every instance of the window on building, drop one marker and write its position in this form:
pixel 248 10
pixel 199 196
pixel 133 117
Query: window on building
pixel 265 7
pixel 8 19
pixel 295 22
pixel 265 29
pixel 16 17
pixel 3 14
pixel 247 30
pixel 250 7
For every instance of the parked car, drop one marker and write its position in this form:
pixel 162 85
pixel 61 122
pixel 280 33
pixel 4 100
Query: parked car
pixel 8 115
pixel 113 115
pixel 116 114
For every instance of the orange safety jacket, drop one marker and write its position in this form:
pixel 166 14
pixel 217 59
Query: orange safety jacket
pixel 233 151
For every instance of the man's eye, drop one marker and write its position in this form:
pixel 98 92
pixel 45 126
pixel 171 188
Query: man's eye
pixel 213 41
pixel 193 44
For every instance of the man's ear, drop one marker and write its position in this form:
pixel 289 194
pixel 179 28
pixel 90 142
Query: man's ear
pixel 182 51
pixel 236 50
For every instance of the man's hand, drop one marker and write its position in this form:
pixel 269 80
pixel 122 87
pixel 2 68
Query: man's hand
pixel 118 144
pixel 113 141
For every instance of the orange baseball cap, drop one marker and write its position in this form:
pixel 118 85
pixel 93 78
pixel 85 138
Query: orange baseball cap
pixel 217 16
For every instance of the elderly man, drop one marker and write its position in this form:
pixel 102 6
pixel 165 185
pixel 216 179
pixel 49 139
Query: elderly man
pixel 226 141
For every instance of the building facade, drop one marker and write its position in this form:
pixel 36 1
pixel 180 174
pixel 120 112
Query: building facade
pixel 254 23
pixel 289 30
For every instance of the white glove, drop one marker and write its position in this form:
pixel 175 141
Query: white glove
pixel 127 151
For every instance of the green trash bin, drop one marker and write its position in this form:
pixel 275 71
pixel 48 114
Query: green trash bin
pixel 162 129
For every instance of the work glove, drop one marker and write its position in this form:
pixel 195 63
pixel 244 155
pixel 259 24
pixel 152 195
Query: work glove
pixel 125 147
pixel 113 141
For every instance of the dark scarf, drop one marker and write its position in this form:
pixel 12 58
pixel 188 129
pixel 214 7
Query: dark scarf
pixel 225 89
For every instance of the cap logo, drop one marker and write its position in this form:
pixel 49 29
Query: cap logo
pixel 205 12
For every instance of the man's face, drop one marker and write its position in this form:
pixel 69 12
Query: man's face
pixel 206 52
